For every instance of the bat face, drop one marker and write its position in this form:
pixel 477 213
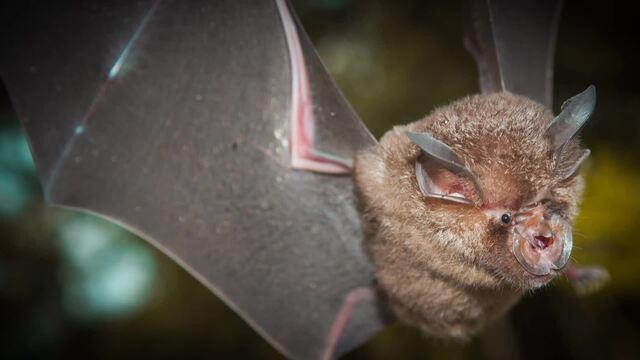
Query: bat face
pixel 471 206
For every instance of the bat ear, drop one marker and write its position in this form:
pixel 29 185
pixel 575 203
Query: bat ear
pixel 433 184
pixel 573 115
pixel 444 156
pixel 439 151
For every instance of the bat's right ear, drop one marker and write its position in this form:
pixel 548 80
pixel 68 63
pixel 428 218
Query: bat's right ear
pixel 436 185
pixel 573 115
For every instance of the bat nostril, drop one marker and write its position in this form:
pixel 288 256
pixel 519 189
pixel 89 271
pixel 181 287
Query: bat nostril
pixel 543 242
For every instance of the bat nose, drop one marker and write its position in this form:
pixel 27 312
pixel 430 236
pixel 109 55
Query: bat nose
pixel 536 227
pixel 541 245
pixel 540 234
pixel 543 242
pixel 541 229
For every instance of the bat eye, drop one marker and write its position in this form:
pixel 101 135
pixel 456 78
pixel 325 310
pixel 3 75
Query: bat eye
pixel 506 218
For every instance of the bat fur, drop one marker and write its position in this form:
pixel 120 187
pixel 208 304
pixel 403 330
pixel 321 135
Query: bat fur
pixel 445 267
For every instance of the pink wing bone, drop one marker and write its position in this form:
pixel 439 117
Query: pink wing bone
pixel 352 300
pixel 303 155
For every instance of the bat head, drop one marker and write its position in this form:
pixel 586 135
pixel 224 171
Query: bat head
pixel 494 182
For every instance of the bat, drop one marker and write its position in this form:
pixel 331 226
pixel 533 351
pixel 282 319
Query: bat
pixel 213 131
pixel 470 207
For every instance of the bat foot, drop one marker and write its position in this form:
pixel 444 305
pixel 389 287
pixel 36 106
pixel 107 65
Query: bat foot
pixel 587 280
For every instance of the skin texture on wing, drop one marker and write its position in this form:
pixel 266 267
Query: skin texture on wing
pixel 173 119
pixel 447 267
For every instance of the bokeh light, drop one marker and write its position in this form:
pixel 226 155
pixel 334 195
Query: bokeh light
pixel 107 275
pixel 16 167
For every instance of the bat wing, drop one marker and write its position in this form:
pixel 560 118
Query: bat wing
pixel 178 121
pixel 513 43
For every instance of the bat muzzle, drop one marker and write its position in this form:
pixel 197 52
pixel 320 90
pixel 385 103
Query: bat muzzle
pixel 541 245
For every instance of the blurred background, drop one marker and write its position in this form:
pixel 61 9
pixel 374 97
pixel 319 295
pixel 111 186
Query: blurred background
pixel 74 285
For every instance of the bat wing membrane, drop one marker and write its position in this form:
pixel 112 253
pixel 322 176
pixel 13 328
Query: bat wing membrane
pixel 173 119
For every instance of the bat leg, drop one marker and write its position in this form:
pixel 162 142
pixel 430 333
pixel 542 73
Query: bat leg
pixel 354 297
pixel 587 280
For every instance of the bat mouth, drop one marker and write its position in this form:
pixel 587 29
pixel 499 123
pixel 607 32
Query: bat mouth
pixel 543 253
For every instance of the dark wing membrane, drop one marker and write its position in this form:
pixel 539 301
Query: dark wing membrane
pixel 513 43
pixel 171 118
pixel 55 59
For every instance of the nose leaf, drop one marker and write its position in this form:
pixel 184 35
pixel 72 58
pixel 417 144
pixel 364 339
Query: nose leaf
pixel 541 246
pixel 543 241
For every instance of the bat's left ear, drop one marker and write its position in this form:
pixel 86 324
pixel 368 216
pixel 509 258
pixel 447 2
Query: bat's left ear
pixel 573 115
pixel 442 154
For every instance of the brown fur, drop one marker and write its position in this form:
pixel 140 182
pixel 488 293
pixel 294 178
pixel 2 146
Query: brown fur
pixel 446 267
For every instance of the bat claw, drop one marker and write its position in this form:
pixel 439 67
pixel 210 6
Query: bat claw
pixel 588 280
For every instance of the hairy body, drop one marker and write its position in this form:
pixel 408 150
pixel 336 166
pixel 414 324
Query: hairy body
pixel 448 267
